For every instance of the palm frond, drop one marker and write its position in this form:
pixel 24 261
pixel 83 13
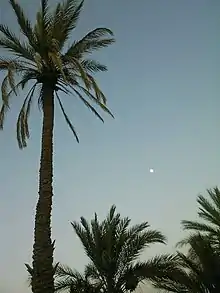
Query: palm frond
pixel 123 226
pixel 22 122
pixel 17 65
pixel 87 104
pixel 93 66
pixel 86 239
pixel 23 22
pixel 9 85
pixel 65 278
pixel 20 50
pixel 63 285
pixel 83 75
pixel 197 226
pixel 91 272
pixel 65 271
pixel 158 268
pixel 65 20
pixel 11 78
pixel 99 94
pixel 95 100
pixel 87 45
pixel 27 76
pixel 208 211
pixel 186 241
pixel 135 245
pixel 215 196
pixel 44 12
pixel 69 123
pixel 42 28
pixel 3 111
pixel 4 91
pixel 6 96
pixel 92 36
pixel 199 272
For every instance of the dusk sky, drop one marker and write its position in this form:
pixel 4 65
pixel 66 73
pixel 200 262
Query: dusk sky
pixel 163 88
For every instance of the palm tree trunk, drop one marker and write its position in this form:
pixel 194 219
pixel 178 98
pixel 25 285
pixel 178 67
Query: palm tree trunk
pixel 43 274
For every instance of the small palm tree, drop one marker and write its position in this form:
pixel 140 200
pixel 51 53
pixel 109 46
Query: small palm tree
pixel 200 274
pixel 41 59
pixel 209 213
pixel 114 249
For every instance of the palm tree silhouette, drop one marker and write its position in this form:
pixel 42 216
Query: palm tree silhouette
pixel 40 60
pixel 113 248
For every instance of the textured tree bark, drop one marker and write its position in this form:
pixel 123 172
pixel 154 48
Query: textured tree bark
pixel 43 273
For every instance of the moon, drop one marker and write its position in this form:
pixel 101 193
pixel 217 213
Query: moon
pixel 151 170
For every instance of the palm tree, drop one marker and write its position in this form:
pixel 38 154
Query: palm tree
pixel 113 248
pixel 209 213
pixel 200 274
pixel 42 60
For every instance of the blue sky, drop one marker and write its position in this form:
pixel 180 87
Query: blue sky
pixel 163 87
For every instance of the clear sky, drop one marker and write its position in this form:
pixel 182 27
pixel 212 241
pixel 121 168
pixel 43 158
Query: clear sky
pixel 163 87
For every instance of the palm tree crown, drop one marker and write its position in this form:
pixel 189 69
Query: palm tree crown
pixel 200 274
pixel 209 213
pixel 41 58
pixel 198 271
pixel 114 249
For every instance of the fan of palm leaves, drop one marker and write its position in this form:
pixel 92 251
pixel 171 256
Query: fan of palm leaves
pixel 209 213
pixel 200 274
pixel 114 247
pixel 41 57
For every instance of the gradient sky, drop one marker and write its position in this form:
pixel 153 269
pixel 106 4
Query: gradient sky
pixel 163 87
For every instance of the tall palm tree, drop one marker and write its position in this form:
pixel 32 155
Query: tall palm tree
pixel 209 213
pixel 114 247
pixel 200 274
pixel 42 60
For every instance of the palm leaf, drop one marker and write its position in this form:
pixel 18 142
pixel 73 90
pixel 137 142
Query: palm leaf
pixel 199 273
pixel 215 196
pixel 93 66
pixel 87 47
pixel 4 90
pixel 158 268
pixel 22 124
pixel 99 94
pixel 208 212
pixel 23 22
pixel 68 120
pixel 21 50
pixel 87 104
pixel 45 16
pixel 95 100
pixel 197 226
pixel 84 77
pixel 43 28
pixel 2 115
pixel 90 43
pixel 65 20
pixel 92 272
pixel 11 78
